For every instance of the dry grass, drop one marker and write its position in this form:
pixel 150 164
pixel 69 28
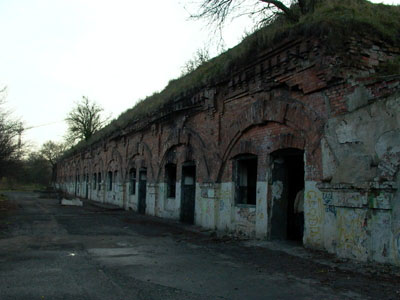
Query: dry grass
pixel 332 19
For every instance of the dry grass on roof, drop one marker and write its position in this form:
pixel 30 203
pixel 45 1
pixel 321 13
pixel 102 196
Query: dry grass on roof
pixel 333 20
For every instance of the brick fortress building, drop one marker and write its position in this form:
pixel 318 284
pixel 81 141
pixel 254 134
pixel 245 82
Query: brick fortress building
pixel 296 119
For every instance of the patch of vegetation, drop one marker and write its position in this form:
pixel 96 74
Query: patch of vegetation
pixel 8 184
pixel 340 18
pixel 390 67
pixel 332 19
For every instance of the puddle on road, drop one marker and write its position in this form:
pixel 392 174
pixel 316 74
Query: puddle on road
pixel 122 257
pixel 102 252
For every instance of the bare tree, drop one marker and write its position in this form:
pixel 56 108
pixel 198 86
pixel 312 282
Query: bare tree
pixel 10 130
pixel 201 56
pixel 84 120
pixel 217 12
pixel 52 151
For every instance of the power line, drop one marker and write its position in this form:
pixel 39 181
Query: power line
pixel 41 125
pixel 23 129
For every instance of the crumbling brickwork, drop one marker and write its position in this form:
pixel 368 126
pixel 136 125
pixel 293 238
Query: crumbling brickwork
pixel 296 106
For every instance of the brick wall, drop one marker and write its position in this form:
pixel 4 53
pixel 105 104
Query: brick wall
pixel 284 99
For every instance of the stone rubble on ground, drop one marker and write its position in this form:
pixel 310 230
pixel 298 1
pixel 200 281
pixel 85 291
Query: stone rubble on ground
pixel 73 202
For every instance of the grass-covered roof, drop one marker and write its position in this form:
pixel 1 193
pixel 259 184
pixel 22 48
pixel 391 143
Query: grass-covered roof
pixel 332 19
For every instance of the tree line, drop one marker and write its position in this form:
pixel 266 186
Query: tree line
pixel 20 165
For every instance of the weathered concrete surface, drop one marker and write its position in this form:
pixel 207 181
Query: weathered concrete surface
pixel 361 156
pixel 48 251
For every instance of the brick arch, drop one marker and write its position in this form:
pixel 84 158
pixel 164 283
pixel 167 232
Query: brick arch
pixel 115 162
pixel 68 169
pixel 290 139
pixel 138 161
pixel 282 110
pixel 98 166
pixel 306 127
pixel 86 166
pixel 285 141
pixel 132 146
pixel 166 159
pixel 192 142
pixel 141 153
pixel 197 145
pixel 77 166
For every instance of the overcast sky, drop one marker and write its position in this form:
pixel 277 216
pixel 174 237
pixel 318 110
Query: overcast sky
pixel 115 52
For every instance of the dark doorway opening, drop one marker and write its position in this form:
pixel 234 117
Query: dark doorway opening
pixel 188 192
pixel 109 180
pixel 99 181
pixel 76 184
pixel 287 184
pixel 142 191
pixel 94 182
pixel 87 186
pixel 132 181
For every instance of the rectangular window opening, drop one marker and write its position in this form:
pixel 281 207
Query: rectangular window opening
pixel 246 180
pixel 170 174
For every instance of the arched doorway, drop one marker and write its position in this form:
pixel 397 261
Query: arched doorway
pixel 287 191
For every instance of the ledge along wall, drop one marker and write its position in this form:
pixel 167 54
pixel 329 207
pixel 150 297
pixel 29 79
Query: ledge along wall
pixel 331 109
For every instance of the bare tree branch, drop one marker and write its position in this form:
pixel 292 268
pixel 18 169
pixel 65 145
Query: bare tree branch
pixel 52 151
pixel 282 7
pixel 217 12
pixel 10 129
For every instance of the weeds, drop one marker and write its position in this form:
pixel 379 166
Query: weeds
pixel 390 67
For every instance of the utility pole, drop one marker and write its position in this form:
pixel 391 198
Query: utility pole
pixel 20 130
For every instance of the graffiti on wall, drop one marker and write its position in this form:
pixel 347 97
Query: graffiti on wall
pixel 245 221
pixel 247 214
pixel 313 216
pixel 327 197
pixel 349 199
pixel 379 199
pixel 352 236
pixel 224 197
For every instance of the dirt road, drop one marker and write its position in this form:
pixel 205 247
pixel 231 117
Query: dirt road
pixel 48 251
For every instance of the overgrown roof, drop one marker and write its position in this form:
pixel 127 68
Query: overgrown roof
pixel 332 19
